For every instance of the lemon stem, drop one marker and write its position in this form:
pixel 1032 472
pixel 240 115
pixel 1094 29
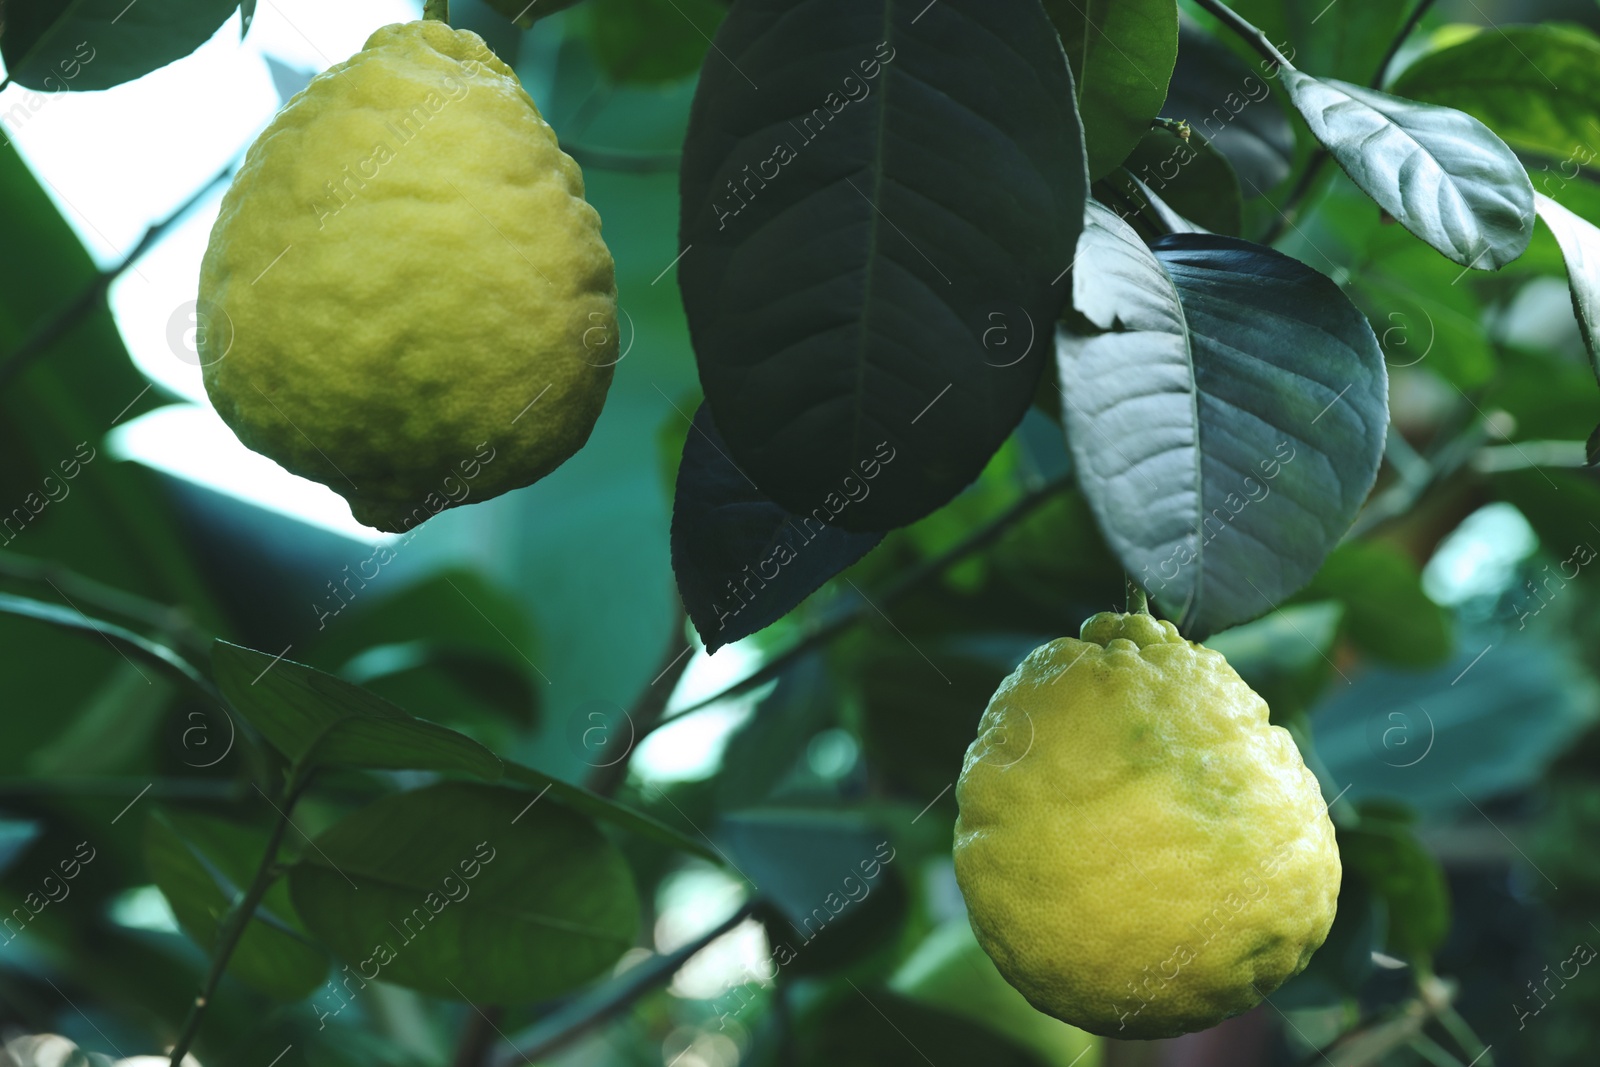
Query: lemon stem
pixel 437 10
pixel 1138 603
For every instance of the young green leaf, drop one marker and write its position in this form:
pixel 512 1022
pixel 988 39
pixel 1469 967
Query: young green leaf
pixel 1441 173
pixel 1122 54
pixel 1538 87
pixel 470 892
pixel 1227 416
pixel 201 865
pixel 95 44
pixel 743 562
pixel 879 202
pixel 316 719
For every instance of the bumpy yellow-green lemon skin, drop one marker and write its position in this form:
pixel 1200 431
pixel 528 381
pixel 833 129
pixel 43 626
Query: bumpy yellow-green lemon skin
pixel 1142 854
pixel 406 296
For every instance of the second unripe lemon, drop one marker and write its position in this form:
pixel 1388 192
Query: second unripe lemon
pixel 406 296
pixel 1141 852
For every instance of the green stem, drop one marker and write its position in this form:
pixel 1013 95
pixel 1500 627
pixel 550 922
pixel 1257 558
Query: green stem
pixel 437 10
pixel 238 920
pixel 1250 34
pixel 1138 602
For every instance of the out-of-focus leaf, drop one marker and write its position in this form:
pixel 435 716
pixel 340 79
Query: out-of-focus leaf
pixel 95 44
pixel 1484 724
pixel 759 756
pixel 202 865
pixel 651 41
pixel 1122 53
pixel 1344 43
pixel 469 892
pixel 318 720
pixel 1386 853
pixel 916 721
pixel 1386 613
pixel 1286 657
pixel 950 971
pixel 526 12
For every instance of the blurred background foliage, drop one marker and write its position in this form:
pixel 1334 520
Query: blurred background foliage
pixel 1441 670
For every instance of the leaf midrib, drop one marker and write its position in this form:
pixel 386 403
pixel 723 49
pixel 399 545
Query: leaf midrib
pixel 858 396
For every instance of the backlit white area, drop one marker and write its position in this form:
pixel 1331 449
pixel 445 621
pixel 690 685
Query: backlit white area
pixel 691 902
pixel 1480 556
pixel 690 748
pixel 143 908
pixel 116 162
pixel 191 442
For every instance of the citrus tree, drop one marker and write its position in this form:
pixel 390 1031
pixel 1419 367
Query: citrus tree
pixel 1043 532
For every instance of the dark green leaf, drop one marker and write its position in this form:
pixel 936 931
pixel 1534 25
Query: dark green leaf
pixel 1386 613
pixel 849 259
pixel 1232 107
pixel 201 865
pixel 470 892
pixel 1538 87
pixel 1192 177
pixel 1580 248
pixel 742 561
pixel 592 804
pixel 1122 53
pixel 1388 856
pixel 1441 173
pixel 1228 421
pixel 247 15
pixel 316 719
pixel 95 44
pixel 652 41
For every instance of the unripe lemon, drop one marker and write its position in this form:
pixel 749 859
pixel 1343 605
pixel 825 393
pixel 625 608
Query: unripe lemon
pixel 406 296
pixel 1141 852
